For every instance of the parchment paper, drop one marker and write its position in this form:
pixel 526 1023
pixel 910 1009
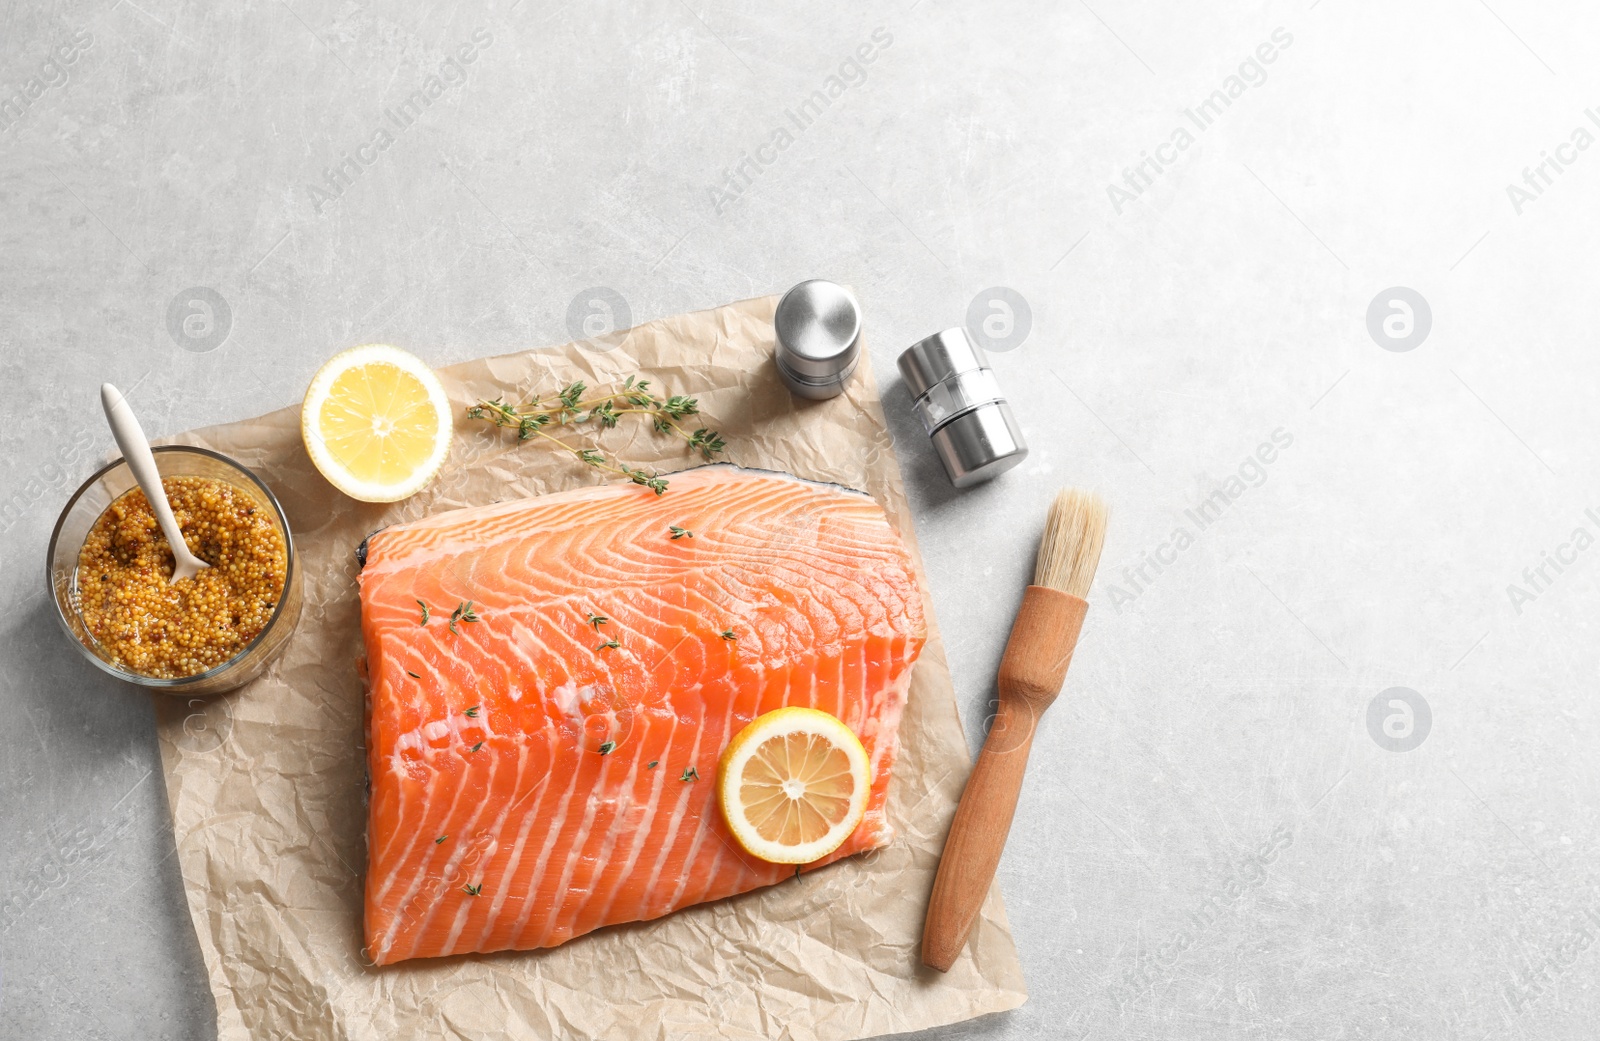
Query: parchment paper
pixel 267 784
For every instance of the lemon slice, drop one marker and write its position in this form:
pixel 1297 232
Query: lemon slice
pixel 377 423
pixel 793 785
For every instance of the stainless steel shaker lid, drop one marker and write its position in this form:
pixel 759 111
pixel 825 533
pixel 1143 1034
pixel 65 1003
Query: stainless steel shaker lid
pixel 929 362
pixel 818 325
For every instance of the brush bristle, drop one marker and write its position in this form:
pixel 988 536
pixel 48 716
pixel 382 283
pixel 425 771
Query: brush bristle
pixel 1070 550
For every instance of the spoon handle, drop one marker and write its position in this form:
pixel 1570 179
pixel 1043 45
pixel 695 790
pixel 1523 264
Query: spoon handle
pixel 141 462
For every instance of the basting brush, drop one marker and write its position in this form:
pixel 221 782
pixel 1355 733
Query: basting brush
pixel 1031 673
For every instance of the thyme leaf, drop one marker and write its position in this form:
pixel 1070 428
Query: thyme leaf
pixel 440 840
pixel 690 774
pixel 472 713
pixel 473 889
pixel 680 533
pixel 462 613
pixel 707 442
pixel 572 395
pixel 424 612
pixel 608 747
pixel 609 645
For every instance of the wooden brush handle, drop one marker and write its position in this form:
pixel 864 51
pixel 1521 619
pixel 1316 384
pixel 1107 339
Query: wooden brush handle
pixel 977 835
pixel 1031 673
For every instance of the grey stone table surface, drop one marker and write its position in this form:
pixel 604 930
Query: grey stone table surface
pixel 1304 287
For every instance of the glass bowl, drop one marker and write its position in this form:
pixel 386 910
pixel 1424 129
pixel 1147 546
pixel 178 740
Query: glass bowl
pixel 104 488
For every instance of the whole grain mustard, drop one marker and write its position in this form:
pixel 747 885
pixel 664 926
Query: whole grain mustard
pixel 154 627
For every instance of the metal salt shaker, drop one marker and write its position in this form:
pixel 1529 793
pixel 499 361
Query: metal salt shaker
pixel 818 326
pixel 962 408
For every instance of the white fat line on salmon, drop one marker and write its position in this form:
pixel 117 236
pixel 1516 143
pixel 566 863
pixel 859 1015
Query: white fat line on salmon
pixel 569 696
pixel 489 847
pixel 457 730
pixel 400 766
pixel 559 919
pixel 508 873
pixel 500 521
pixel 417 881
pixel 552 836
pixel 453 875
pixel 460 862
pixel 641 815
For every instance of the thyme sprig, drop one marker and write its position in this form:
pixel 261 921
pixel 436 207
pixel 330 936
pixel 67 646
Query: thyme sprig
pixel 570 407
pixel 473 889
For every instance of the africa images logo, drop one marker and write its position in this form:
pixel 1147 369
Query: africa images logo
pixel 1399 719
pixel 1538 578
pixel 1252 472
pixel 397 119
pixel 852 72
pixel 1543 174
pixel 52 75
pixel 1252 72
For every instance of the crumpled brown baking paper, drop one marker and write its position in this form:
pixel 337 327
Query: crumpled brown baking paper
pixel 267 784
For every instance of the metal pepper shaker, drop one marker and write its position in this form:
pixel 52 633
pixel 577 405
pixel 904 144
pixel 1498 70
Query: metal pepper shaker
pixel 818 326
pixel 962 407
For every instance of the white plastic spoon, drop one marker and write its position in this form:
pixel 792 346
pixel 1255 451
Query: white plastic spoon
pixel 136 453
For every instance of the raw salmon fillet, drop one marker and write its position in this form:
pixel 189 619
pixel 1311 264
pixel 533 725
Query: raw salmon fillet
pixel 531 782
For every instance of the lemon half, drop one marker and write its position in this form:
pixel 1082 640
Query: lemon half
pixel 377 423
pixel 793 785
